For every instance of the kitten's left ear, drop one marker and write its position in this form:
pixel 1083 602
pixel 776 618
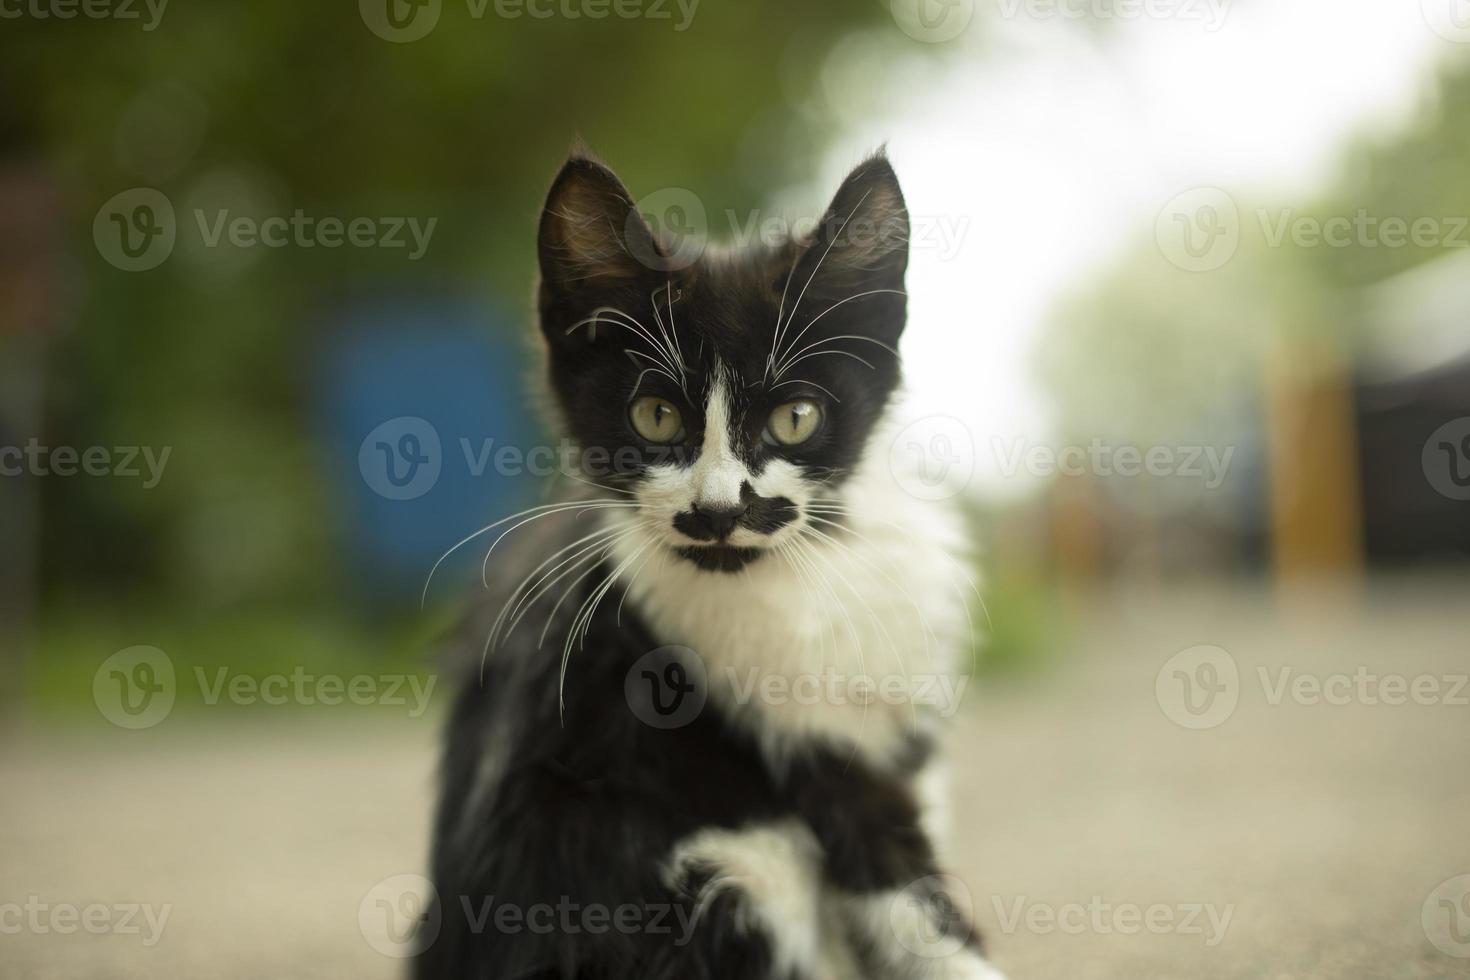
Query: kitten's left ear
pixel 592 236
pixel 863 240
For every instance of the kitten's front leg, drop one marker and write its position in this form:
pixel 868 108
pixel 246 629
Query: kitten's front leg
pixel 910 921
pixel 920 932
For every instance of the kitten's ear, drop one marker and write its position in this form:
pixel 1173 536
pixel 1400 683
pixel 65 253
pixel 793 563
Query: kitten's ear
pixel 863 240
pixel 592 236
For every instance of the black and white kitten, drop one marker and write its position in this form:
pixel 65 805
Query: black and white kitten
pixel 692 749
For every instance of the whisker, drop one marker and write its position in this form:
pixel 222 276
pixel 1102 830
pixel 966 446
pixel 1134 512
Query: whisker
pixel 781 329
pixel 423 596
pixel 519 598
pixel 871 292
pixel 582 508
pixel 818 345
pixel 583 620
pixel 822 353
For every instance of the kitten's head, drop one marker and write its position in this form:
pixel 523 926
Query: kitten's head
pixel 729 395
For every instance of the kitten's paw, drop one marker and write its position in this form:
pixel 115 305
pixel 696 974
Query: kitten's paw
pixel 964 965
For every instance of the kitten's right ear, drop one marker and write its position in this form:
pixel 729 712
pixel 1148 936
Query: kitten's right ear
pixel 592 235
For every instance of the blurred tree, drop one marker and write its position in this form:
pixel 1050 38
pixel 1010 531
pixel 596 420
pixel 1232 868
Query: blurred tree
pixel 273 106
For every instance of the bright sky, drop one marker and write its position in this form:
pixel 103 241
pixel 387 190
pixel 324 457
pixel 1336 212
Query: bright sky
pixel 1046 153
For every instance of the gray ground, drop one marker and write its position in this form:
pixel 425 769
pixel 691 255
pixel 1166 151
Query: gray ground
pixel 1321 830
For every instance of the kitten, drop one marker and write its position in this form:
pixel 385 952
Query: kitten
pixel 696 746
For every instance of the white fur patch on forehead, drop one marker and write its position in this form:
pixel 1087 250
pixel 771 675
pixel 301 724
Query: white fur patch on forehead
pixel 718 473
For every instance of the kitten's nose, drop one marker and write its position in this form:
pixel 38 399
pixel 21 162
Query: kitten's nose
pixel 719 520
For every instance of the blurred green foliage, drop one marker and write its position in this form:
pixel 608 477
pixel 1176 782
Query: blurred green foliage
pixel 269 107
pixel 272 106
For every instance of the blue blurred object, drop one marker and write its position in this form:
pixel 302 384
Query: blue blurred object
pixel 413 399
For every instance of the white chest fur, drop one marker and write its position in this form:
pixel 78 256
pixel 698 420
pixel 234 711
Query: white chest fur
pixel 848 633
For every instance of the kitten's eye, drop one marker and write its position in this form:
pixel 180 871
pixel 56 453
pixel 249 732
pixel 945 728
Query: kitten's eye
pixel 793 422
pixel 656 420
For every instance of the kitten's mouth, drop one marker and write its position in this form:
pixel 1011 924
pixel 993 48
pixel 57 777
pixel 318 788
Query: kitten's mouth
pixel 720 557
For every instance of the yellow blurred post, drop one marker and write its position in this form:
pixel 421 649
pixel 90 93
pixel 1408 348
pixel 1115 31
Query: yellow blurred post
pixel 1316 499
pixel 1077 535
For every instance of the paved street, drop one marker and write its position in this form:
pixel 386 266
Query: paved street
pixel 1100 840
